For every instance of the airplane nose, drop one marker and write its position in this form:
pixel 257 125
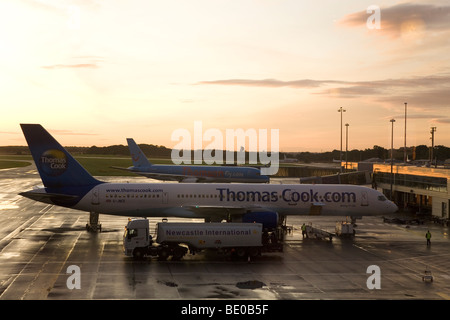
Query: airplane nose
pixel 393 207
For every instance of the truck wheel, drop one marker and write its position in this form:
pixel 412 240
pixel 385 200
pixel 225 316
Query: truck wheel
pixel 241 252
pixel 138 254
pixel 163 254
pixel 178 253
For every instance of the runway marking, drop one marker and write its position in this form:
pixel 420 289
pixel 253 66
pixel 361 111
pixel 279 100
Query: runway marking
pixel 51 282
pixel 8 204
pixel 19 229
pixel 46 209
pixel 443 295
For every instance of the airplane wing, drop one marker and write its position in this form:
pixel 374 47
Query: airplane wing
pixel 250 213
pixel 120 168
pixel 166 176
pixel 239 210
pixel 223 210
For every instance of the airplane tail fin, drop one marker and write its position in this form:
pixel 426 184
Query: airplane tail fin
pixel 137 156
pixel 56 166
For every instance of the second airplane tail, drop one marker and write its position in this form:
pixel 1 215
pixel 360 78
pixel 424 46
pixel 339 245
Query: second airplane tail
pixel 137 156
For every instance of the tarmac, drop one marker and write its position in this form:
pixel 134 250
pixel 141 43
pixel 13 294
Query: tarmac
pixel 47 254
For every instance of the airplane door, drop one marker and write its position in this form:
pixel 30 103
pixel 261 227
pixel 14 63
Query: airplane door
pixel 95 196
pixel 165 197
pixel 364 199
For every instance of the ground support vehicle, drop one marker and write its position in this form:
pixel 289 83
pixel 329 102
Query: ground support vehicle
pixel 345 229
pixel 317 233
pixel 177 239
pixel 428 276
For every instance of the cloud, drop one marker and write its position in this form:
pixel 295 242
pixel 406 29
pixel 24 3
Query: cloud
pixel 425 90
pixel 273 83
pixel 348 88
pixel 69 66
pixel 419 116
pixel 435 98
pixel 404 19
pixel 71 133
pixel 443 121
pixel 424 93
pixel 78 62
pixel 352 91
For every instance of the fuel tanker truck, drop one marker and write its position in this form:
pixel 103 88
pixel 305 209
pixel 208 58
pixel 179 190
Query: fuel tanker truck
pixel 176 239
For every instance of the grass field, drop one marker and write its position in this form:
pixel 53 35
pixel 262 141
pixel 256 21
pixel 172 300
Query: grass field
pixel 97 165
pixel 6 164
pixel 100 166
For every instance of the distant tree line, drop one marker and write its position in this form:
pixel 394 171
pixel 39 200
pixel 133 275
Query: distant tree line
pixel 421 152
pixel 119 150
pixel 149 150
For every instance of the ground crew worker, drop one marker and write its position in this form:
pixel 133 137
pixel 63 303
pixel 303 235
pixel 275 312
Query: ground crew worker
pixel 304 231
pixel 428 236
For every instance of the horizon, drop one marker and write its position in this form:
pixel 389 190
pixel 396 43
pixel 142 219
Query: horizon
pixel 409 148
pixel 94 73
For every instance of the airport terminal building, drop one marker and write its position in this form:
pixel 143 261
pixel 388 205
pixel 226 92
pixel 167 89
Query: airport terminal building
pixel 421 190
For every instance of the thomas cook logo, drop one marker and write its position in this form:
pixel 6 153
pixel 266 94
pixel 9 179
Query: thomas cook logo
pixel 53 162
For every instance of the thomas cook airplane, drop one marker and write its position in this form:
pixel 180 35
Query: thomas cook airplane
pixel 192 173
pixel 68 184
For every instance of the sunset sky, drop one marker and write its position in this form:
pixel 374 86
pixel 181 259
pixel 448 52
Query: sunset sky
pixel 97 72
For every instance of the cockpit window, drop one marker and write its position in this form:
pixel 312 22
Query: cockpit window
pixel 382 198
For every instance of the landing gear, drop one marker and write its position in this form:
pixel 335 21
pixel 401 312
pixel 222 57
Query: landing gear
pixel 353 220
pixel 93 224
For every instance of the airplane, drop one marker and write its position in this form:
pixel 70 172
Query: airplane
pixel 68 184
pixel 190 173
pixel 288 160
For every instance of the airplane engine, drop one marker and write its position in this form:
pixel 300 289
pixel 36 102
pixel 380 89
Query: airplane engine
pixel 268 219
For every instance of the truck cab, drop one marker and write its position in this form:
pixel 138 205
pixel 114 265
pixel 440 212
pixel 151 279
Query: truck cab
pixel 136 236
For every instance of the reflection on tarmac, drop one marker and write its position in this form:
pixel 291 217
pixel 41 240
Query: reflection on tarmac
pixel 38 242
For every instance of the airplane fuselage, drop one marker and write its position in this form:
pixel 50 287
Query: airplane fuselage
pixel 202 173
pixel 216 200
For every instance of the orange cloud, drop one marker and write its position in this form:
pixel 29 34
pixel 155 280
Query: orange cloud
pixel 427 93
pixel 350 88
pixel 405 20
pixel 79 65
pixel 273 83
pixel 72 133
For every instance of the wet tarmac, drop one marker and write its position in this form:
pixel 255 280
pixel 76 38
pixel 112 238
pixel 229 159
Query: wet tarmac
pixel 46 253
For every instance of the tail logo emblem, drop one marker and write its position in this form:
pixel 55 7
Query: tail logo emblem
pixel 53 162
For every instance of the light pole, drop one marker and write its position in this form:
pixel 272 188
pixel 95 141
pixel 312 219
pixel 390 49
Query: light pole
pixel 433 130
pixel 404 150
pixel 405 157
pixel 346 146
pixel 341 110
pixel 392 154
